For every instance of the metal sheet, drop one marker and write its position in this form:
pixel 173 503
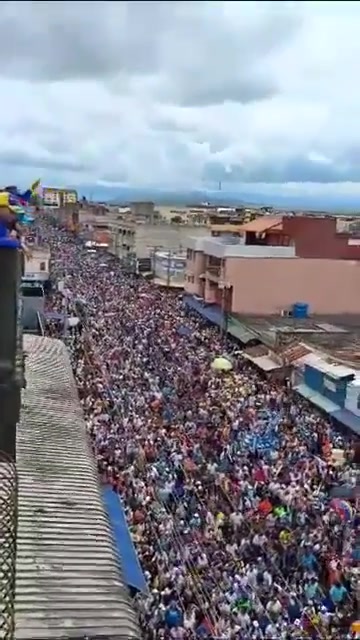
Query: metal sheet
pixel 68 578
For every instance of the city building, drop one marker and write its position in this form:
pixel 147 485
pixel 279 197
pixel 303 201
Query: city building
pixel 129 237
pixel 233 215
pixel 187 215
pixel 58 197
pixel 253 277
pixel 68 216
pixel 169 267
pixel 204 215
pixel 312 236
pixel 143 211
pixel 37 264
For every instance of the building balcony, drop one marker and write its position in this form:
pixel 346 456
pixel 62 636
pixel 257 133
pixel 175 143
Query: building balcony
pixel 213 273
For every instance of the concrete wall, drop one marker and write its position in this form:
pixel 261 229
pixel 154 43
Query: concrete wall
pixel 265 286
pixel 163 236
pixel 37 259
pixel 195 267
pixel 320 238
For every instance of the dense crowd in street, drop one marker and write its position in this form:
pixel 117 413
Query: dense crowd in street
pixel 223 476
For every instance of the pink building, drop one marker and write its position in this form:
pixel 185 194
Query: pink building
pixel 268 280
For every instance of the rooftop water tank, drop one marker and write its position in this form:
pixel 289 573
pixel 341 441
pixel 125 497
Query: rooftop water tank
pixel 300 310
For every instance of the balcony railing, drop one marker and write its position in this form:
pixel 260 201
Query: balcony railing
pixel 213 273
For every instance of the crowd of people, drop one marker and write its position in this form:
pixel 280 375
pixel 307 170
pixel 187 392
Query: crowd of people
pixel 223 476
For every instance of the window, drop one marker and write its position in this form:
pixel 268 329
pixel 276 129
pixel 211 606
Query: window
pixel 42 266
pixel 358 402
pixel 330 385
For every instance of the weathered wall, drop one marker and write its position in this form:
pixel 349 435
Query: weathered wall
pixel 267 285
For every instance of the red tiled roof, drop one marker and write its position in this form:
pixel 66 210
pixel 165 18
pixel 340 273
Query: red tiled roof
pixel 263 224
pixel 294 352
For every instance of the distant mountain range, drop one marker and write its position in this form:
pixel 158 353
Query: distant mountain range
pixel 119 195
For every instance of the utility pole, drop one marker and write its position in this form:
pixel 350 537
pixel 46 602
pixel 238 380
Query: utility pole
pixel 152 253
pixel 168 269
pixel 224 302
pixel 223 305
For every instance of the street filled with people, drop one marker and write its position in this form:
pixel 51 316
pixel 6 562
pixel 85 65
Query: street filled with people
pixel 225 477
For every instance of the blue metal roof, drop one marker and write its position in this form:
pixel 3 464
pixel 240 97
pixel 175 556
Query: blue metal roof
pixel 348 419
pixel 212 312
pixel 344 416
pixel 128 559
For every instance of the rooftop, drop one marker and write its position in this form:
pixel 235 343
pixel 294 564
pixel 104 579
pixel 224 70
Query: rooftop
pixel 328 324
pixel 227 227
pixel 337 337
pixel 265 223
pixel 67 575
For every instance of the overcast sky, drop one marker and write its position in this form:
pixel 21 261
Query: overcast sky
pixel 180 93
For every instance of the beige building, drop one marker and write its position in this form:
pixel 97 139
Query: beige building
pixel 266 280
pixel 37 264
pixel 143 211
pixel 55 197
pixel 141 240
pixel 193 216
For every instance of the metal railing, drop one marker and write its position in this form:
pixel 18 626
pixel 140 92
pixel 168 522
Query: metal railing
pixel 8 537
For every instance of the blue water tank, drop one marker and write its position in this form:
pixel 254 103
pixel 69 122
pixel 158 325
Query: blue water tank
pixel 300 310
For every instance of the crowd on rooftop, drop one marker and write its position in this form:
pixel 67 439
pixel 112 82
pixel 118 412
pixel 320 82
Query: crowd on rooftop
pixel 225 477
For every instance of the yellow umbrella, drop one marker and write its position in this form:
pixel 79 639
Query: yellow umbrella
pixel 355 627
pixel 221 364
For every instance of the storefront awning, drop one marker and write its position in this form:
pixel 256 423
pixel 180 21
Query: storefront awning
pixel 240 331
pixel 317 399
pixel 348 419
pixel 128 558
pixel 265 363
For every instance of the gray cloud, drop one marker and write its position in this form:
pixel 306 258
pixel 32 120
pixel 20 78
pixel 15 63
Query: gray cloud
pixel 193 49
pixel 38 161
pixel 170 93
pixel 294 169
pixel 222 88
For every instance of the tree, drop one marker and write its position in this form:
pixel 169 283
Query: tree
pixel 176 220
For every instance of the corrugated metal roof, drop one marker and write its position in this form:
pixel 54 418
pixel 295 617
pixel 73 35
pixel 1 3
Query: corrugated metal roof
pixel 263 362
pixel 334 370
pixel 68 580
pixel 310 358
pixel 260 225
pixel 257 351
pixel 240 331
